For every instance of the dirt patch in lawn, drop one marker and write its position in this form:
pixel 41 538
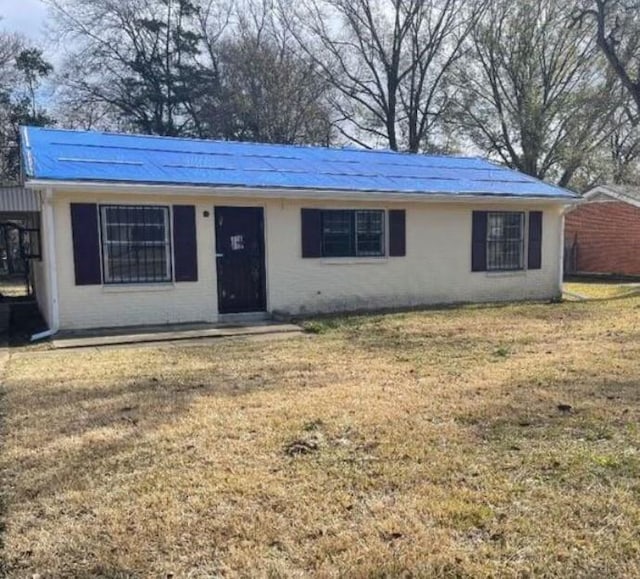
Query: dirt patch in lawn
pixel 465 442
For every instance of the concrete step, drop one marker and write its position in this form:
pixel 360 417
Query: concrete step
pixel 248 318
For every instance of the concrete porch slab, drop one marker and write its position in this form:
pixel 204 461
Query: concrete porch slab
pixel 148 334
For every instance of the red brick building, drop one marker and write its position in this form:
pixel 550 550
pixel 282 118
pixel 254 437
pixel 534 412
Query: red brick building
pixel 602 236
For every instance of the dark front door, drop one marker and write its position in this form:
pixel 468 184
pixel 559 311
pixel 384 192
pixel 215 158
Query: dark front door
pixel 240 259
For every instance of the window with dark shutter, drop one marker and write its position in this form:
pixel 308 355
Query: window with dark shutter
pixel 86 243
pixel 343 233
pixel 397 233
pixel 479 241
pixel 185 246
pixel 353 233
pixel 338 239
pixel 136 243
pixel 505 241
pixel 311 233
pixel 369 233
pixel 535 240
pixel 498 241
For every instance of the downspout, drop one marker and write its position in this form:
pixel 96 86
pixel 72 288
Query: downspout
pixel 52 273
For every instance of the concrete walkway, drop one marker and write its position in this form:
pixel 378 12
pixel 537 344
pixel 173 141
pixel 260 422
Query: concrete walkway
pixel 152 334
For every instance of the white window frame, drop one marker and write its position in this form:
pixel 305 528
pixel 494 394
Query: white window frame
pixel 354 238
pixel 106 243
pixel 522 241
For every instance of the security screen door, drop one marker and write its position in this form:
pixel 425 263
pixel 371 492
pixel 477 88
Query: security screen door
pixel 240 259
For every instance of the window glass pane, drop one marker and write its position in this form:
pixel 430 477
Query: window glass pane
pixel 370 233
pixel 147 232
pixel 337 233
pixel 132 214
pixel 349 233
pixel 505 241
pixel 136 245
pixel 128 232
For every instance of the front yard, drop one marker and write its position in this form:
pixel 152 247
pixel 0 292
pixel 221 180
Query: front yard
pixel 466 442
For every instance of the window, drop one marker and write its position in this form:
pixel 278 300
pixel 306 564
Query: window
pixel 337 233
pixel 135 244
pixel 353 233
pixel 369 233
pixel 505 241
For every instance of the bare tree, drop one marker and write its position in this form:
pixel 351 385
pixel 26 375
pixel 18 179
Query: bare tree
pixel 10 47
pixel 272 93
pixel 534 93
pixel 617 33
pixel 82 111
pixel 623 162
pixel 388 61
pixel 206 68
pixel 615 25
pixel 137 56
pixel 617 159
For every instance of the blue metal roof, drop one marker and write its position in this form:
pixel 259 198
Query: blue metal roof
pixel 61 155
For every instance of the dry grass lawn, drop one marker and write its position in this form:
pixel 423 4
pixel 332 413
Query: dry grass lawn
pixel 601 290
pixel 425 444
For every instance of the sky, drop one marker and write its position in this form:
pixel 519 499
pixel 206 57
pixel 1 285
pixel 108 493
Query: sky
pixel 24 16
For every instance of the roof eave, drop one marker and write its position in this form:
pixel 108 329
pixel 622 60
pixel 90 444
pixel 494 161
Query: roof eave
pixel 123 187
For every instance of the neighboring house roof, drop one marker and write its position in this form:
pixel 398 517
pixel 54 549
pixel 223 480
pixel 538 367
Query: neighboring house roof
pixel 59 155
pixel 15 199
pixel 626 193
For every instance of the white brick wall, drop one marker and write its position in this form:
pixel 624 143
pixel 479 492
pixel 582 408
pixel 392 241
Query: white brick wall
pixel 102 306
pixel 437 268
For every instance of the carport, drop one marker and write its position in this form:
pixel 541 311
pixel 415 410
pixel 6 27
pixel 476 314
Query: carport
pixel 19 247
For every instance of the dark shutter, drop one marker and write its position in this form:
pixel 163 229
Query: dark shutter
pixel 185 247
pixel 397 233
pixel 311 233
pixel 535 240
pixel 86 243
pixel 479 241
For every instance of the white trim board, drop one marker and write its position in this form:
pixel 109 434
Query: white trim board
pixel 190 190
pixel 612 193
